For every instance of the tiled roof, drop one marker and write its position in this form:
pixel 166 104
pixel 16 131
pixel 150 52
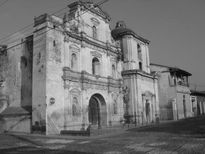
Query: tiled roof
pixel 197 93
pixel 174 69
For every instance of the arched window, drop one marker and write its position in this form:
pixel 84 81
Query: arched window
pixel 140 66
pixel 94 28
pixel 115 107
pixel 113 71
pixel 75 110
pixel 96 66
pixel 74 61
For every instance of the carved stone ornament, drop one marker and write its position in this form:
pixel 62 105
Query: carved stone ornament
pixel 96 54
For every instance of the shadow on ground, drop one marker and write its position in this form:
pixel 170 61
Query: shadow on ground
pixel 34 150
pixel 190 126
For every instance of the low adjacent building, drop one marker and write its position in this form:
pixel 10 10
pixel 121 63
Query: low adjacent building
pixel 174 92
pixel 198 102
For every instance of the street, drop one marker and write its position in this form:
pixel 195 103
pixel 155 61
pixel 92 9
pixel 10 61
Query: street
pixel 184 136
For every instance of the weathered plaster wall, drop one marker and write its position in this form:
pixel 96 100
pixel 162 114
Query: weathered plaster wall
pixel 16 73
pixel 201 105
pixel 39 77
pixel 56 49
pixel 54 82
pixel 16 124
pixel 130 54
pixel 26 73
pixel 88 20
pixel 198 103
pixel 140 88
pixel 171 96
pixel 167 94
pixel 184 111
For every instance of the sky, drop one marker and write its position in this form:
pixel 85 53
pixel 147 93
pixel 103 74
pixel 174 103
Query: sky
pixel 176 28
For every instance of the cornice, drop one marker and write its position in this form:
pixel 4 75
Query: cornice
pixel 83 38
pixel 88 79
pixel 137 72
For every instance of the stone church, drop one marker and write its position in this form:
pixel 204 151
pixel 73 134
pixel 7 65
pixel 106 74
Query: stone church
pixel 76 72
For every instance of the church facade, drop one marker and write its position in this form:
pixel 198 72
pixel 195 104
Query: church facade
pixel 84 73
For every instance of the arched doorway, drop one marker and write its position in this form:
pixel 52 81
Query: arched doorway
pixel 97 111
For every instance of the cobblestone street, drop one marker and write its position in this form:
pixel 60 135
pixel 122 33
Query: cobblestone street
pixel 185 136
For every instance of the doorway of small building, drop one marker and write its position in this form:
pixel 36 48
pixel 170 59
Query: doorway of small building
pixel 147 111
pixel 97 111
pixel 184 106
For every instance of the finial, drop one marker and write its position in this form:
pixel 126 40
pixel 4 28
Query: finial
pixel 120 24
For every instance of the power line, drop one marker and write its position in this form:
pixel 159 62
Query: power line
pixel 25 28
pixel 98 4
pixel 29 26
pixel 8 36
pixel 199 85
pixel 3 3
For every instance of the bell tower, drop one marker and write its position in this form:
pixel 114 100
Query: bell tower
pixel 135 64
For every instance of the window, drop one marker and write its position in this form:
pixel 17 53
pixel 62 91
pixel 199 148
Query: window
pixel 139 51
pixel 94 32
pixel 54 43
pixel 140 66
pixel 74 61
pixel 95 66
pixel 113 71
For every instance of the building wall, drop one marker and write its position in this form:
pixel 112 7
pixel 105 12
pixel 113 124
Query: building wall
pixel 16 81
pixel 201 102
pixel 56 93
pixel 130 53
pixel 16 73
pixel 167 94
pixel 39 76
pixel 171 96
pixel 147 87
pixel 141 85
pixel 184 111
pixel 200 105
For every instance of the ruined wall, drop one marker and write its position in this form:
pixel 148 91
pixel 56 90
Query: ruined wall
pixel 16 73
pixel 3 74
pixel 16 87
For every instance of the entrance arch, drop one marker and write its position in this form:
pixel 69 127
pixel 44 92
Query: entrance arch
pixel 97 111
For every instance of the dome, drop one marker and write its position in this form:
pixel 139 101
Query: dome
pixel 121 30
